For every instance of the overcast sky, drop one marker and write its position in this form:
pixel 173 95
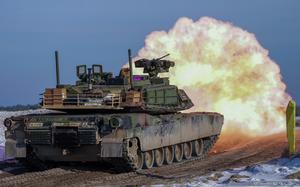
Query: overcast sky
pixel 94 31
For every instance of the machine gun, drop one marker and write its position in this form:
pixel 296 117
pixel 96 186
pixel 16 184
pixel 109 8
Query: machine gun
pixel 155 66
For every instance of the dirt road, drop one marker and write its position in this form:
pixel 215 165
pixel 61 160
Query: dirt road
pixel 222 157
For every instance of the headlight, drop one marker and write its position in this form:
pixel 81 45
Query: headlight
pixel 8 123
pixel 115 122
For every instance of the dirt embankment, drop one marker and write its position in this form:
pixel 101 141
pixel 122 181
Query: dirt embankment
pixel 223 156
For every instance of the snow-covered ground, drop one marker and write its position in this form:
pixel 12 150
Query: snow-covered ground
pixel 273 173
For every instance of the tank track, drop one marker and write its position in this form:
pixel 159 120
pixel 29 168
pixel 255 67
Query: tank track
pixel 208 143
pixel 122 165
pixel 127 163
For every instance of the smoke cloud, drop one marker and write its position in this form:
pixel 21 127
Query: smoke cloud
pixel 224 69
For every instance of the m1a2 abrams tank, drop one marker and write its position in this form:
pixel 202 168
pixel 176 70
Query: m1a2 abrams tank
pixel 134 119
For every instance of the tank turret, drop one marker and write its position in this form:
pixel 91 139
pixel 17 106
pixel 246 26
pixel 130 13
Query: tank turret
pixel 101 91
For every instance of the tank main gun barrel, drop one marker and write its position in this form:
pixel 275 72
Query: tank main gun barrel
pixel 57 68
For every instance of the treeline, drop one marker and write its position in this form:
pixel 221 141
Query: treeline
pixel 19 107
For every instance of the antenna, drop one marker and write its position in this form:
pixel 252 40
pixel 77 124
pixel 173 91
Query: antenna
pixel 57 69
pixel 130 67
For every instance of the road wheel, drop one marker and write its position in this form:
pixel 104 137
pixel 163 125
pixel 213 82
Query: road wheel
pixel 159 157
pixel 187 150
pixel 148 159
pixel 169 155
pixel 198 147
pixel 178 149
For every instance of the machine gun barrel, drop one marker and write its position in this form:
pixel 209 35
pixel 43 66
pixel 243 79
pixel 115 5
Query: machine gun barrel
pixel 162 57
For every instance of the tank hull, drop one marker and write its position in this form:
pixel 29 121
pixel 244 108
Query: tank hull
pixel 97 137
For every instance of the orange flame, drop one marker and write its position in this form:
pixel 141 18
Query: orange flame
pixel 223 69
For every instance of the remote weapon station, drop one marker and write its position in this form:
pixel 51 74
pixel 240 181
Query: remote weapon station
pixel 132 120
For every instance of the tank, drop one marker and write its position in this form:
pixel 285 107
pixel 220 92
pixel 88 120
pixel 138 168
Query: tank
pixel 134 121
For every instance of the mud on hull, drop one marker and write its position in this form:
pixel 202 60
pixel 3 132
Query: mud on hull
pixel 139 139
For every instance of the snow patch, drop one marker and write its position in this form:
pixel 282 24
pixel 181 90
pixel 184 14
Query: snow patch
pixel 273 173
